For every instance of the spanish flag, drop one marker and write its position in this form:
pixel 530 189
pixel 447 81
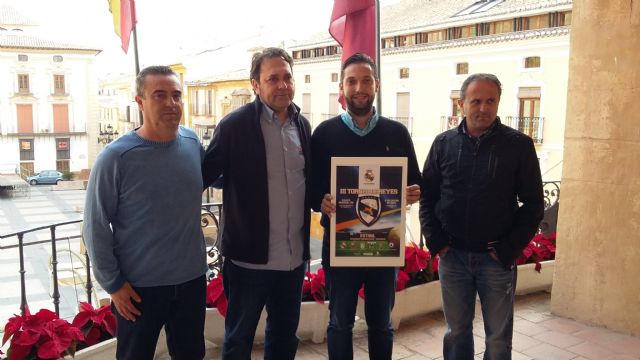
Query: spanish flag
pixel 124 19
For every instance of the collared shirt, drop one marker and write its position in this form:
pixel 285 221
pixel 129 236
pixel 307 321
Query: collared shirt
pixel 286 187
pixel 347 119
pixel 477 139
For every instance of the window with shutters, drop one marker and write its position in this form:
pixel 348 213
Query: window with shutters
pixel 58 85
pixel 61 118
pixel 24 114
pixel 532 62
pixel 23 83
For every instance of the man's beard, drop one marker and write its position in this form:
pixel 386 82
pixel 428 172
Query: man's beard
pixel 359 110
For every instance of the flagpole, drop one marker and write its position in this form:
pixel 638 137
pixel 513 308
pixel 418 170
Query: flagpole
pixel 379 59
pixel 135 55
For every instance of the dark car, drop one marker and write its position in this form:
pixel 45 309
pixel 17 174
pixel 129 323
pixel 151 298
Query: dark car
pixel 45 177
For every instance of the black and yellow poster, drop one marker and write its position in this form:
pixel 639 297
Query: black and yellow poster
pixel 369 224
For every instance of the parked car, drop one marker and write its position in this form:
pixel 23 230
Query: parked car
pixel 45 177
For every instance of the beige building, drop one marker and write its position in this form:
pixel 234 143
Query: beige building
pixel 118 111
pixel 47 99
pixel 213 97
pixel 429 48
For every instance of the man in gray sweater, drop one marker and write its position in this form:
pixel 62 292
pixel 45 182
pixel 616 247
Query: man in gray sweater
pixel 142 226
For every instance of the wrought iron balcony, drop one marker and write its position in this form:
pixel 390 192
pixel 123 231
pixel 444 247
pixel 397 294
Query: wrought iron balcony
pixel 407 121
pixel 210 216
pixel 531 126
pixel 450 122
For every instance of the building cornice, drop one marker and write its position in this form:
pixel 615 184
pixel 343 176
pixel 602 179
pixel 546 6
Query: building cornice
pixel 457 43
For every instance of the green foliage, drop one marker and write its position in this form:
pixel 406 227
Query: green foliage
pixel 68 175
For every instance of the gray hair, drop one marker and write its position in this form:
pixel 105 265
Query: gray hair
pixel 479 77
pixel 151 70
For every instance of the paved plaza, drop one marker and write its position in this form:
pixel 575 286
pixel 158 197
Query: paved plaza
pixel 538 334
pixel 42 206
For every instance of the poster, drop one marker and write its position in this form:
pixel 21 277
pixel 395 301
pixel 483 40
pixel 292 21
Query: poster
pixel 368 228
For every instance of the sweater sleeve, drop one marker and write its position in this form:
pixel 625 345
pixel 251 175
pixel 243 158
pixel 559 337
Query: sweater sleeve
pixel 436 238
pixel 216 153
pixel 413 169
pixel 529 215
pixel 321 166
pixel 101 204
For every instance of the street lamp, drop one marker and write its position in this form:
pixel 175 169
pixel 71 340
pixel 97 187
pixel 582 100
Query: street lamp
pixel 206 137
pixel 107 135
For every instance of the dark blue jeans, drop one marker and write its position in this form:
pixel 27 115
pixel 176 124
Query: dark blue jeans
pixel 464 274
pixel 343 284
pixel 180 308
pixel 248 292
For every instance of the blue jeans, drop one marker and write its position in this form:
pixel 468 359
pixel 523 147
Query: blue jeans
pixel 343 284
pixel 464 274
pixel 180 308
pixel 248 291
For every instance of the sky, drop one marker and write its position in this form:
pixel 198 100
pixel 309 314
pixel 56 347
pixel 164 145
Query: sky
pixel 168 30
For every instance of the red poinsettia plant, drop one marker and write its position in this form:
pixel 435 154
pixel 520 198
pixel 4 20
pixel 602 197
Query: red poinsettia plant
pixel 96 324
pixel 215 295
pixel 40 336
pixel 540 248
pixel 314 287
pixel 419 268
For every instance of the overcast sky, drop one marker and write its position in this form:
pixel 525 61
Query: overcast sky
pixel 168 29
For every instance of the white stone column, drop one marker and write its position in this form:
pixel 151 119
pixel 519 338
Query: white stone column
pixel 597 278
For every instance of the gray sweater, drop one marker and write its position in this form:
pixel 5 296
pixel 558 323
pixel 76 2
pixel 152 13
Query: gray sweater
pixel 142 212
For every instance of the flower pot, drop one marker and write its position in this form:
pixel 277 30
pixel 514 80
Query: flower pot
pixel 529 280
pixel 105 350
pixel 314 318
pixel 410 302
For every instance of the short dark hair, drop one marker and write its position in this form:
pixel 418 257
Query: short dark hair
pixel 359 58
pixel 151 70
pixel 268 53
pixel 479 77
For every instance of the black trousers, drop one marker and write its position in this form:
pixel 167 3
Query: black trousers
pixel 179 308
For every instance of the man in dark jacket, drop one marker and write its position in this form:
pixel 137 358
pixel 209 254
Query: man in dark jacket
pixel 481 203
pixel 263 151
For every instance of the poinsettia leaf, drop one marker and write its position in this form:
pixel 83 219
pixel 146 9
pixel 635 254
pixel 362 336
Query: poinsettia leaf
pixel 93 336
pixel 415 258
pixel 401 281
pixel 26 337
pixel 85 306
pixel 18 352
pixel 318 285
pixel 434 263
pixel 11 327
pixel 215 290
pixel 538 266
pixel 45 315
pixel 221 305
pixel 51 349
pixel 81 319
pixel 361 292
pixel 109 324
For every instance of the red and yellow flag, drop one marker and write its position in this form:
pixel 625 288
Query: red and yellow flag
pixel 124 19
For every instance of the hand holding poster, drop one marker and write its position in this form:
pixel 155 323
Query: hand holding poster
pixel 368 226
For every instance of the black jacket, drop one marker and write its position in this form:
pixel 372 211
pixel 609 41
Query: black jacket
pixel 237 150
pixel 471 190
